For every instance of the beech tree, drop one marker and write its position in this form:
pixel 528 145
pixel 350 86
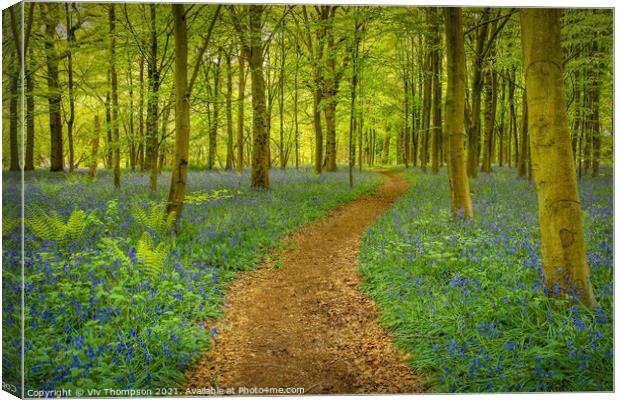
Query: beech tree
pixel 563 248
pixel 460 198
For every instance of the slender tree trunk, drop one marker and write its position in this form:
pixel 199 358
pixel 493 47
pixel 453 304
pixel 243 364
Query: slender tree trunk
pixel 229 120
pixel 260 161
pixel 522 166
pixel 563 247
pixel 295 116
pixel 455 106
pixel 30 113
pixel 141 144
pixel 116 155
pixel 178 182
pixel 94 145
pixel 215 120
pixel 489 122
pixel 152 112
pixel 436 62
pixel 133 148
pixel 281 101
pixel 70 121
pixel 53 89
pixel 240 101
pixel 473 150
pixel 108 127
pixel 14 96
pixel 14 93
pixel 426 111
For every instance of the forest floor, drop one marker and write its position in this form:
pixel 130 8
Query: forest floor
pixel 299 319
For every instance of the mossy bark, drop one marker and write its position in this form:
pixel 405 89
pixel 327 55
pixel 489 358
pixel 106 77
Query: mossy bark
pixel 563 248
pixel 178 183
pixel 260 157
pixel 455 121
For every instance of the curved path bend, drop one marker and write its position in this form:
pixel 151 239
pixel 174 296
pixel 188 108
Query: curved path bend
pixel 305 323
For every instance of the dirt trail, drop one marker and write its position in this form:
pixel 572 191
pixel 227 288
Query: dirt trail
pixel 306 324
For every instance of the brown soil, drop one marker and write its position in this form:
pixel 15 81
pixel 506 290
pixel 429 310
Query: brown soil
pixel 304 322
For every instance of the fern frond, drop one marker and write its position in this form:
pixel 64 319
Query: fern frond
pixel 152 257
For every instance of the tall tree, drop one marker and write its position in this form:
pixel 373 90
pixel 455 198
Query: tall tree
pixel 564 259
pixel 54 94
pixel 116 153
pixel 240 104
pixel 460 197
pixel 178 181
pixel 229 120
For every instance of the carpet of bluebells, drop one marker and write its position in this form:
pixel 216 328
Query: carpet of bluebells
pixel 467 300
pixel 94 317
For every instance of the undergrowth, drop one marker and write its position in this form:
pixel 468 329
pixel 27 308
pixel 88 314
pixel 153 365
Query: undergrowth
pixel 467 300
pixel 113 297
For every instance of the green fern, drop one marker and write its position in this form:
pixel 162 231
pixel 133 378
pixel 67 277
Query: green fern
pixel 151 256
pixel 52 227
pixel 110 245
pixel 154 218
pixel 8 223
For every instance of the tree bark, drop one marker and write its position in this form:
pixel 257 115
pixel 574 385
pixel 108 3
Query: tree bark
pixel 229 120
pixel 30 113
pixel 460 197
pixel 436 65
pixel 473 148
pixel 216 107
pixel 178 182
pixel 241 95
pixel 260 161
pixel 116 154
pixel 152 112
pixel 563 248
pixel 94 145
pixel 53 89
pixel 522 166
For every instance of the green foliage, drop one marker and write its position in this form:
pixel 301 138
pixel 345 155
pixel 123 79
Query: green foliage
pixel 205 197
pixel 151 255
pixel 468 299
pixel 153 217
pixel 52 227
pixel 130 305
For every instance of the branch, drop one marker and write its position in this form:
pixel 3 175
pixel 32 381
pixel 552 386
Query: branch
pixel 205 44
pixel 514 11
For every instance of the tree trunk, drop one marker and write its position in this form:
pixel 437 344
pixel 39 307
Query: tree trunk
pixel 178 181
pixel 489 121
pixel 426 110
pixel 281 102
pixel 14 93
pixel 70 121
pixel 260 161
pixel 436 65
pixel 563 248
pixel 473 149
pixel 241 95
pixel 53 89
pixel 152 112
pixel 30 113
pixel 460 197
pixel 94 145
pixel 229 120
pixel 522 166
pixel 116 155
pixel 14 96
pixel 216 108
pixel 295 115
pixel 141 146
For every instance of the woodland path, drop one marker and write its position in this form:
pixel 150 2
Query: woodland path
pixel 306 324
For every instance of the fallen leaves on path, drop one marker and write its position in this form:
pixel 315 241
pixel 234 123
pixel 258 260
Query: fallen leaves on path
pixel 306 324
